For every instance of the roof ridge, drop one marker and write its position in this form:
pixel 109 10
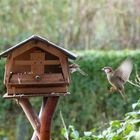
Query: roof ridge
pixel 68 53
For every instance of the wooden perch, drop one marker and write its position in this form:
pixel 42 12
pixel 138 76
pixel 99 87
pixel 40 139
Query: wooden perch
pixel 46 117
pixel 30 114
pixel 34 137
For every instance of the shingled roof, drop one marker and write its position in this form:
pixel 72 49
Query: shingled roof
pixel 36 37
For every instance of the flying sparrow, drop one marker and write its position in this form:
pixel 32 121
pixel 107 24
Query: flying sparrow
pixel 117 78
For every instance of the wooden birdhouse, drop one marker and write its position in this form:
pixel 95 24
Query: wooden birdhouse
pixel 36 67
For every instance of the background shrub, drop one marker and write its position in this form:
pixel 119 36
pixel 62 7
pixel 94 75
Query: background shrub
pixel 89 105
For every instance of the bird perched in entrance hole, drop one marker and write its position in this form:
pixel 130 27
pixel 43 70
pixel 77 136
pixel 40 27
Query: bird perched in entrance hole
pixel 117 78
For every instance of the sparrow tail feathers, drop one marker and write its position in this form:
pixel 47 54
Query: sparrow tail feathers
pixel 123 95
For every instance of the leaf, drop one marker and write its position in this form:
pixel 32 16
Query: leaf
pixel 128 128
pixel 121 130
pixel 75 134
pixel 93 130
pixel 134 121
pixel 117 137
pixel 131 135
pixel 88 133
pixel 116 124
pixel 133 114
pixel 64 132
pixel 134 105
pixel 137 135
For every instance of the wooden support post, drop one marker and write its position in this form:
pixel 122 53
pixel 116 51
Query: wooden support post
pixel 34 137
pixel 46 118
pixel 31 115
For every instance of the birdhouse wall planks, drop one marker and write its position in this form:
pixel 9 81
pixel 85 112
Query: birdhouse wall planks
pixel 36 67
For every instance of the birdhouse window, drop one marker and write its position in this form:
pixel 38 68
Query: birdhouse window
pixel 53 65
pixel 36 61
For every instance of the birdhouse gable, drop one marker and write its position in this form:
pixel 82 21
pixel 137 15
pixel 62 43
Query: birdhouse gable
pixel 35 39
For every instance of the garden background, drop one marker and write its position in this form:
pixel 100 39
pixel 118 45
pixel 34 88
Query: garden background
pixel 101 33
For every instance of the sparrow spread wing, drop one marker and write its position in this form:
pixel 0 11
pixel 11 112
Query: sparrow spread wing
pixel 124 70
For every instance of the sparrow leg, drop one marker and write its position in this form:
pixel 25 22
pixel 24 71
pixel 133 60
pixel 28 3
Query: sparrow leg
pixel 112 89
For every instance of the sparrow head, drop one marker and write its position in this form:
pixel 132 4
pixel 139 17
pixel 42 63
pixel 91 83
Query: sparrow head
pixel 75 67
pixel 107 70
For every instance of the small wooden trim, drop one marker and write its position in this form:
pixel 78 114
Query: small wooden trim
pixel 7 96
pixel 8 67
pixel 30 79
pixel 39 84
pixel 65 69
pixel 18 51
pixel 32 62
pixel 50 49
pixel 41 90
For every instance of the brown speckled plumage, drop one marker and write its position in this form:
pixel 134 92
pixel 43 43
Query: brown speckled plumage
pixel 117 78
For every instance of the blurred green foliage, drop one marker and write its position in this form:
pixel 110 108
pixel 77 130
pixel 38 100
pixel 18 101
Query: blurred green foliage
pixel 81 24
pixel 76 25
pixel 125 129
pixel 89 105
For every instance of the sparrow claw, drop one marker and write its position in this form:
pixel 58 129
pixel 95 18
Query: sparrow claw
pixel 111 90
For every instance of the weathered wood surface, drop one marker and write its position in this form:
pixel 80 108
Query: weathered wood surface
pixel 46 118
pixel 42 124
pixel 31 62
pixel 31 90
pixel 34 136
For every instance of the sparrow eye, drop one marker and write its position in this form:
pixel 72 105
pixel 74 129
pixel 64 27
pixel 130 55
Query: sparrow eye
pixel 107 70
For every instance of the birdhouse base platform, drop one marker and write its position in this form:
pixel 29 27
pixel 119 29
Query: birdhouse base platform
pixel 6 95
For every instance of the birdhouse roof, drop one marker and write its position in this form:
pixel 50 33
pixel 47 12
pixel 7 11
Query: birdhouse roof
pixel 38 38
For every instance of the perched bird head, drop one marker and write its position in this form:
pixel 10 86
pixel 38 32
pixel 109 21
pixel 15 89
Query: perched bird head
pixel 107 70
pixel 75 67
